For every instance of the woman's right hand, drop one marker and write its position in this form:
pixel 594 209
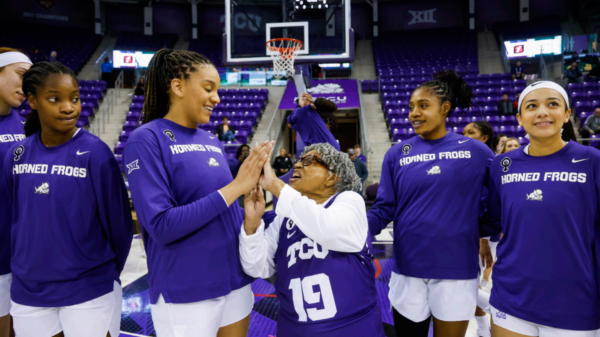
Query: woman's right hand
pixel 306 99
pixel 254 204
pixel 248 173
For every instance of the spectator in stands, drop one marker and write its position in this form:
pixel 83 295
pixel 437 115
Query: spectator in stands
pixel 498 142
pixel 359 155
pixel 505 107
pixel 591 126
pixel 509 145
pixel 139 88
pixel 283 163
pixel 518 71
pixel 361 168
pixel 516 102
pixel 53 58
pixel 107 69
pixel 225 131
pixel 241 155
pixel 36 56
pixel 594 75
pixel 572 75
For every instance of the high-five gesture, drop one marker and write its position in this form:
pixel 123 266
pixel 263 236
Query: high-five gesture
pixel 254 206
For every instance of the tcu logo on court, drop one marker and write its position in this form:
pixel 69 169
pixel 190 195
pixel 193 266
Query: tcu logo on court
pixel 422 16
pixel 505 163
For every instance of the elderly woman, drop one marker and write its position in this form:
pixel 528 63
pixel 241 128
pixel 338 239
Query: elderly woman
pixel 318 244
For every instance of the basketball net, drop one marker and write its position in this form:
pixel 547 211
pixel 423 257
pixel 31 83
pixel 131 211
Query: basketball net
pixel 285 50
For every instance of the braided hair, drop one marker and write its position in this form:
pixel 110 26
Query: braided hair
pixel 450 87
pixel 165 66
pixel 35 78
pixel 486 129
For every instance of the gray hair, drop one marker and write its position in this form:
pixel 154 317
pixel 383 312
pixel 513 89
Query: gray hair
pixel 339 163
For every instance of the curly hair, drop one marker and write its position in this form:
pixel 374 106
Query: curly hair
pixel 339 163
pixel 165 66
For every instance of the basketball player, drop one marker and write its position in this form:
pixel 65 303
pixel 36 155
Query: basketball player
pixel 431 187
pixel 71 222
pixel 13 65
pixel 483 132
pixel 184 195
pixel 319 246
pixel 547 196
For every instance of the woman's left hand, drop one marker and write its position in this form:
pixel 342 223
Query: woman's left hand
pixel 268 180
pixel 254 206
pixel 486 253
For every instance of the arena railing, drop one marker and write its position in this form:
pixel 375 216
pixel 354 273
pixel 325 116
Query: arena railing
pixel 119 84
pixel 364 133
pixel 276 125
pixel 103 115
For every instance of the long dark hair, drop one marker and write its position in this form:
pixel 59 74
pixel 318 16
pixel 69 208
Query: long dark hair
pixel 486 129
pixel 165 66
pixel 450 87
pixel 568 131
pixel 327 109
pixel 36 77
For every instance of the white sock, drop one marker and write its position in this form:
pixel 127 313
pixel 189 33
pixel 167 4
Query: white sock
pixel 483 326
pixel 483 301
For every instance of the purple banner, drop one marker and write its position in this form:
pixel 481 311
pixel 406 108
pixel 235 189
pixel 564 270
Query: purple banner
pixel 344 93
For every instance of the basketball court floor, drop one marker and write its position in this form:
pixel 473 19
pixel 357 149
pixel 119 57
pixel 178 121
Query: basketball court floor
pixel 136 319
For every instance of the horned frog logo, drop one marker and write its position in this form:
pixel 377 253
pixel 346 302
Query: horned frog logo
pixel 44 188
pixel 327 88
pixel 535 195
pixel 434 170
pixel 213 162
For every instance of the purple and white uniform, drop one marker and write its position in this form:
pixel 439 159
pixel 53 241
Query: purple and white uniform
pixel 11 131
pixel 322 256
pixel 547 271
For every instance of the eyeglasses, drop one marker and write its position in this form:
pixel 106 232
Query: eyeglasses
pixel 309 159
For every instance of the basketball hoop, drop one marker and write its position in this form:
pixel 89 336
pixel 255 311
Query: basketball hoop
pixel 285 50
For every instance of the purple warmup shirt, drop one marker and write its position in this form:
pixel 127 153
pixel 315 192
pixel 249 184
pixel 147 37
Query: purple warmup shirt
pixel 345 301
pixel 307 122
pixel 11 131
pixel 432 191
pixel 548 259
pixel 190 235
pixel 71 225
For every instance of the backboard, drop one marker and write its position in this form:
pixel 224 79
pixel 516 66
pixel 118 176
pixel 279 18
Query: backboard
pixel 323 27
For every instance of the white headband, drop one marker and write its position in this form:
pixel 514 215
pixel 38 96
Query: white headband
pixel 13 57
pixel 541 85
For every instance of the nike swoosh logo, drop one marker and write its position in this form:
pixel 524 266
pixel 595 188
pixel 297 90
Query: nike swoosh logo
pixel 291 234
pixel 462 141
pixel 23 122
pixel 211 137
pixel 577 161
pixel 80 153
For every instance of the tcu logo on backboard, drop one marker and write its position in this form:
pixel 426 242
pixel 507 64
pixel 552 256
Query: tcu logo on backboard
pixel 422 16
pixel 127 59
pixel 242 21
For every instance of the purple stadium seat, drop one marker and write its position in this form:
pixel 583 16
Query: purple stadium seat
pixel 508 120
pixel 245 126
pixel 133 116
pixel 490 110
pixel 119 147
pixel 138 99
pixel 583 116
pixel 395 123
pixel 236 116
pixel 582 105
pixel 590 86
pixel 578 96
pixel 573 86
pixel 124 136
pixel 519 131
pixel 224 114
pixel 593 95
pixel 595 104
pixel 523 141
pixel 493 120
pixel 393 113
pixel 242 136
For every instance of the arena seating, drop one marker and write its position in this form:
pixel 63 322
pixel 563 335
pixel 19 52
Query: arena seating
pixel 91 93
pixel 585 98
pixel 74 47
pixel 243 108
pixel 136 41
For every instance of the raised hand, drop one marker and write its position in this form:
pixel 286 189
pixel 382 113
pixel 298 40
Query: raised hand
pixel 254 206
pixel 306 99
pixel 269 181
pixel 248 173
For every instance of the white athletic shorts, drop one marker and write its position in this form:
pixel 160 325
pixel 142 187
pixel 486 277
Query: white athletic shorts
pixel 204 318
pixel 89 319
pixel 526 328
pixel 447 300
pixel 5 281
